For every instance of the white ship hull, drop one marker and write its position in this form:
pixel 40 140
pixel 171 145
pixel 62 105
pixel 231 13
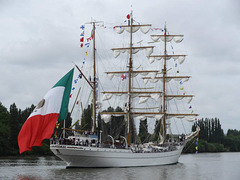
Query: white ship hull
pixel 82 156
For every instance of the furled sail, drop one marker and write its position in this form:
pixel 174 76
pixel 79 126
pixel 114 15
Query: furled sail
pixel 180 97
pixel 118 51
pixel 167 79
pixel 143 95
pixel 107 117
pixel 143 116
pixel 192 134
pixel 144 28
pixel 189 117
pixel 152 74
pixel 176 38
pixel 107 96
pixel 179 58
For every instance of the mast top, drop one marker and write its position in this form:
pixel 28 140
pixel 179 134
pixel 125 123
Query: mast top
pixel 94 21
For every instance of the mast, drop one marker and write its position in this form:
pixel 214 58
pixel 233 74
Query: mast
pixel 152 76
pixel 129 83
pixel 94 79
pixel 130 28
pixel 94 82
pixel 164 83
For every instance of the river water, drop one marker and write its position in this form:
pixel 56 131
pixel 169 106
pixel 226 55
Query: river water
pixel 219 166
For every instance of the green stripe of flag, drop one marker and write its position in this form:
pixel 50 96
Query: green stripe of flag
pixel 66 81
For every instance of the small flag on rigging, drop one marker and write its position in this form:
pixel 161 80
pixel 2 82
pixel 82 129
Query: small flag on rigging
pixel 82 27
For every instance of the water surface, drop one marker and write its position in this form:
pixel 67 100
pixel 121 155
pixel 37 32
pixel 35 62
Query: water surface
pixel 192 166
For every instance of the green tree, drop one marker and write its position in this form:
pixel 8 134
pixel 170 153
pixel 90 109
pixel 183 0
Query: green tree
pixel 86 120
pixel 233 132
pixel 211 137
pixel 116 127
pixel 4 131
pixel 77 126
pixel 158 130
pixel 143 131
pixel 25 114
pixel 14 127
pixel 232 140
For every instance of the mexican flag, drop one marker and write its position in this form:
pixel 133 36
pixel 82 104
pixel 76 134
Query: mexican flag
pixel 41 122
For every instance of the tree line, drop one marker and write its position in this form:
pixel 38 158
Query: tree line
pixel 211 136
pixel 10 125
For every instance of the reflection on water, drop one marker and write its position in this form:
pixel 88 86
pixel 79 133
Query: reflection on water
pixel 200 166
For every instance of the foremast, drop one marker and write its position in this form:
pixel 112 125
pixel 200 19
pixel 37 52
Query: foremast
pixel 94 79
pixel 94 82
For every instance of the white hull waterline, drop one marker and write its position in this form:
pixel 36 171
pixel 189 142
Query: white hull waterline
pixel 82 156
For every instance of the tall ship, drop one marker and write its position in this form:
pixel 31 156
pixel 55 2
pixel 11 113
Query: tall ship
pixel 149 91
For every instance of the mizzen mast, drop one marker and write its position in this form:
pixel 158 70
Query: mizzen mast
pixel 165 78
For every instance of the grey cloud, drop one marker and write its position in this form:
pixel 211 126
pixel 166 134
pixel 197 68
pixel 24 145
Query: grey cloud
pixel 40 39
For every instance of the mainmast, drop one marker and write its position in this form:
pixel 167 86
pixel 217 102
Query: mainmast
pixel 129 113
pixel 129 83
pixel 164 83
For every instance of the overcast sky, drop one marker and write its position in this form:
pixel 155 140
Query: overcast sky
pixel 40 39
